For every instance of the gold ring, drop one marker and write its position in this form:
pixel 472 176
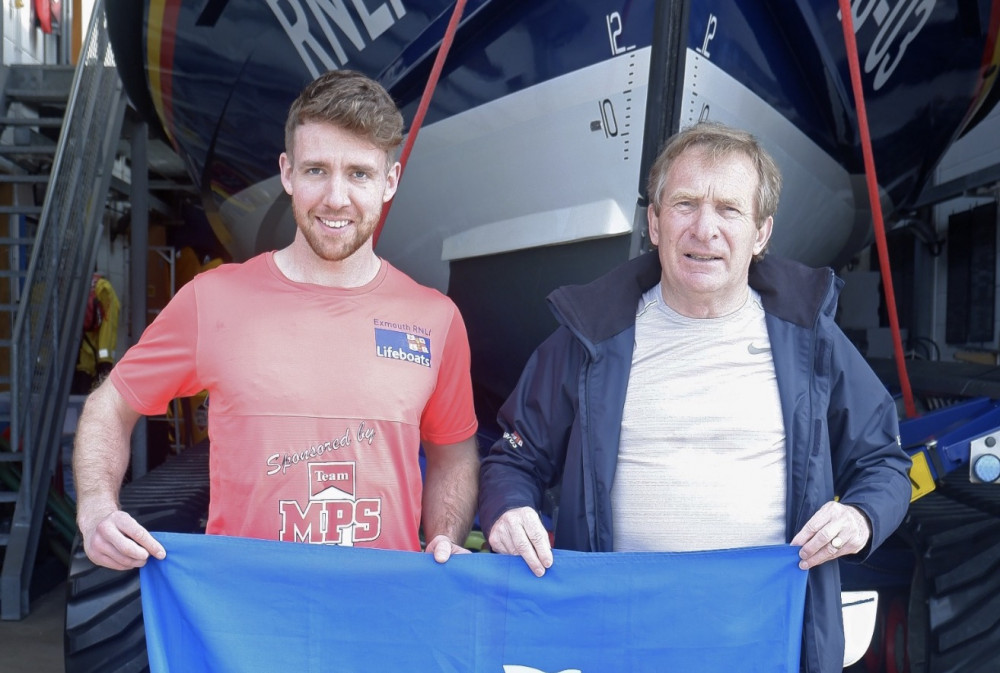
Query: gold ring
pixel 836 542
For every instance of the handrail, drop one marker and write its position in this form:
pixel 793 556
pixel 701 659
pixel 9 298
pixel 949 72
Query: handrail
pixel 46 329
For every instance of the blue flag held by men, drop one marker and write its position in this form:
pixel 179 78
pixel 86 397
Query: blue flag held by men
pixel 229 604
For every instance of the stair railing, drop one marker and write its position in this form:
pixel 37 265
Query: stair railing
pixel 50 315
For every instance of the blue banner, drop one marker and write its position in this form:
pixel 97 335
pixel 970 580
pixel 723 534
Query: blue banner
pixel 230 604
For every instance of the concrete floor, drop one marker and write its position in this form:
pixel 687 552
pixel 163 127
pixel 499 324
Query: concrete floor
pixel 35 643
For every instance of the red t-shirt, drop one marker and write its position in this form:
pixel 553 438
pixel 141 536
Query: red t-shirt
pixel 318 398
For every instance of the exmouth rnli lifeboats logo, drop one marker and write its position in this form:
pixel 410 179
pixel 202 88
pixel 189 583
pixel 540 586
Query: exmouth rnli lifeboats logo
pixel 403 346
pixel 333 514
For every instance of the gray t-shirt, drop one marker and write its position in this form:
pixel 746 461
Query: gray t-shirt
pixel 701 462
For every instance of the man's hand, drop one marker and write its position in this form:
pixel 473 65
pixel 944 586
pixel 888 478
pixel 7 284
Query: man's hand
pixel 451 481
pixel 111 537
pixel 835 530
pixel 117 541
pixel 442 547
pixel 519 532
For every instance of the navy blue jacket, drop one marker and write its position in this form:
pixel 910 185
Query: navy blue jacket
pixel 562 422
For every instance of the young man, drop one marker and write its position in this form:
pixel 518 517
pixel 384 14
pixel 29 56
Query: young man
pixel 326 368
pixel 702 397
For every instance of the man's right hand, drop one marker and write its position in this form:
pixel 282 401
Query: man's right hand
pixel 519 532
pixel 117 541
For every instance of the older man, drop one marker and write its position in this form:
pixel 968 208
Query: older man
pixel 702 397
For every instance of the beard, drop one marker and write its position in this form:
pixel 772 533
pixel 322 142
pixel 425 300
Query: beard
pixel 335 248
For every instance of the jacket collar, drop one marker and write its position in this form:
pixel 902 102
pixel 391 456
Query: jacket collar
pixel 604 307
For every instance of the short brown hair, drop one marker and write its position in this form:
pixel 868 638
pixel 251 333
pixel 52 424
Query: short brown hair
pixel 349 100
pixel 720 140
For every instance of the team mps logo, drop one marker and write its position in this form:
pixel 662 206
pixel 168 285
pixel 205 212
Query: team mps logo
pixel 333 513
pixel 404 346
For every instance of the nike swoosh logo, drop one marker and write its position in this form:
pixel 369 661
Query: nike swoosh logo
pixel 754 350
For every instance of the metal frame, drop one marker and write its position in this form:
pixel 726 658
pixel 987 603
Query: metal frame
pixel 49 316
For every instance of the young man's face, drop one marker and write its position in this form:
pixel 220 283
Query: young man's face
pixel 338 182
pixel 707 233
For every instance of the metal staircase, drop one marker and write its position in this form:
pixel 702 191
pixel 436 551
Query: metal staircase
pixel 58 148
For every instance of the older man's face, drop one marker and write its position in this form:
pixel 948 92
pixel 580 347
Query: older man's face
pixel 707 233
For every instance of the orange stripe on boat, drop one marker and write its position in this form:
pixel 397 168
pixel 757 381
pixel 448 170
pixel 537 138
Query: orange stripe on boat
pixel 161 32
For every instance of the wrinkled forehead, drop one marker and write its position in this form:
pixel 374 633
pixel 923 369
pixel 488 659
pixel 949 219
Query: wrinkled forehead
pixel 711 156
pixel 702 167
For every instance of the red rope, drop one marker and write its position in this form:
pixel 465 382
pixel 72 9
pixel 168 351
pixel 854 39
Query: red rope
pixel 425 100
pixel 883 255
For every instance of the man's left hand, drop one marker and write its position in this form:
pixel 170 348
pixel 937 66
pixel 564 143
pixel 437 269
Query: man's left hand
pixel 442 547
pixel 835 530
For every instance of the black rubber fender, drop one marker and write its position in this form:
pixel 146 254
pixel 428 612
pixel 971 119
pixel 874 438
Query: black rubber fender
pixel 954 606
pixel 104 628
